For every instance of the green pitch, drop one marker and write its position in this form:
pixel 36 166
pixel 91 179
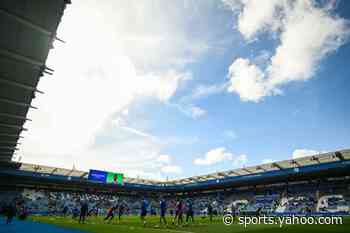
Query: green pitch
pixel 133 224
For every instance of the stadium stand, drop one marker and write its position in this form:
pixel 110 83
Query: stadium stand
pixel 316 184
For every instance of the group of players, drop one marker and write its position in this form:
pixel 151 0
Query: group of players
pixel 181 209
pixel 13 209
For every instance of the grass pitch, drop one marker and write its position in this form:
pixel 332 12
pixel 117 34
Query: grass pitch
pixel 133 224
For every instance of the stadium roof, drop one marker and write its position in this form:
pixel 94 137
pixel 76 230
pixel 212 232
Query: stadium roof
pixel 293 163
pixel 27 29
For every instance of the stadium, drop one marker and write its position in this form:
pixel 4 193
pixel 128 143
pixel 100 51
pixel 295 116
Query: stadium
pixel 56 199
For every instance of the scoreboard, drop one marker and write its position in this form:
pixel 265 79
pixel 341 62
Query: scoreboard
pixel 106 177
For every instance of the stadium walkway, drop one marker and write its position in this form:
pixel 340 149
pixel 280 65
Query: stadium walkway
pixel 32 227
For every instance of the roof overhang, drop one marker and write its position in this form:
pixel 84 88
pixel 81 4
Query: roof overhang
pixel 27 31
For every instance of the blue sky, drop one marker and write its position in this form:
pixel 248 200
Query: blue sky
pixel 190 87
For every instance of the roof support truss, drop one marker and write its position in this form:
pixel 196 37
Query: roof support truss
pixel 14 116
pixel 10 142
pixel 17 103
pixel 294 162
pixel 246 170
pixel 339 155
pixel 30 24
pixel 8 148
pixel 10 135
pixel 19 127
pixel 234 172
pixel 261 168
pixel 54 170
pixel 314 158
pixel 19 85
pixel 21 58
pixel 277 165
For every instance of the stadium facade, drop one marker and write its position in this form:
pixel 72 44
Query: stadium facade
pixel 319 184
pixel 324 166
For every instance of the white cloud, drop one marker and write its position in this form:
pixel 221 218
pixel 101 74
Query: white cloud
pixel 297 57
pixel 219 155
pixel 115 55
pixel 166 165
pixel 258 16
pixel 203 90
pixel 247 80
pixel 264 161
pixel 164 159
pixel 214 156
pixel 299 153
pixel 152 33
pixel 168 83
pixel 174 169
pixel 307 33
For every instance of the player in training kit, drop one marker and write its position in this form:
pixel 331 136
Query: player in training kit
pixel 84 209
pixel 178 213
pixel 10 212
pixel 162 211
pixel 189 212
pixel 143 212
pixel 210 211
pixel 110 214
pixel 121 209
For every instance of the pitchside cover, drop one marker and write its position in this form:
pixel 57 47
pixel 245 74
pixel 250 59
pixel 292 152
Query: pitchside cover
pixel 106 177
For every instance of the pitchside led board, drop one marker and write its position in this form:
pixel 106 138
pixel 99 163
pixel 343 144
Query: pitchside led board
pixel 106 177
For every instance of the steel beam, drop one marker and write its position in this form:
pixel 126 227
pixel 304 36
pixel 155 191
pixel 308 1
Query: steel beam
pixel 276 165
pixel 10 135
pixel 339 155
pixel 246 170
pixel 6 153
pixel 14 116
pixel 56 38
pixel 234 172
pixel 17 103
pixel 20 57
pixel 10 142
pixel 294 162
pixel 26 22
pixel 5 157
pixel 47 72
pixel 53 171
pixel 69 173
pixel 30 24
pixel 8 147
pixel 49 69
pixel 314 158
pixel 221 174
pixel 19 85
pixel 13 126
pixel 261 168
pixel 35 63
